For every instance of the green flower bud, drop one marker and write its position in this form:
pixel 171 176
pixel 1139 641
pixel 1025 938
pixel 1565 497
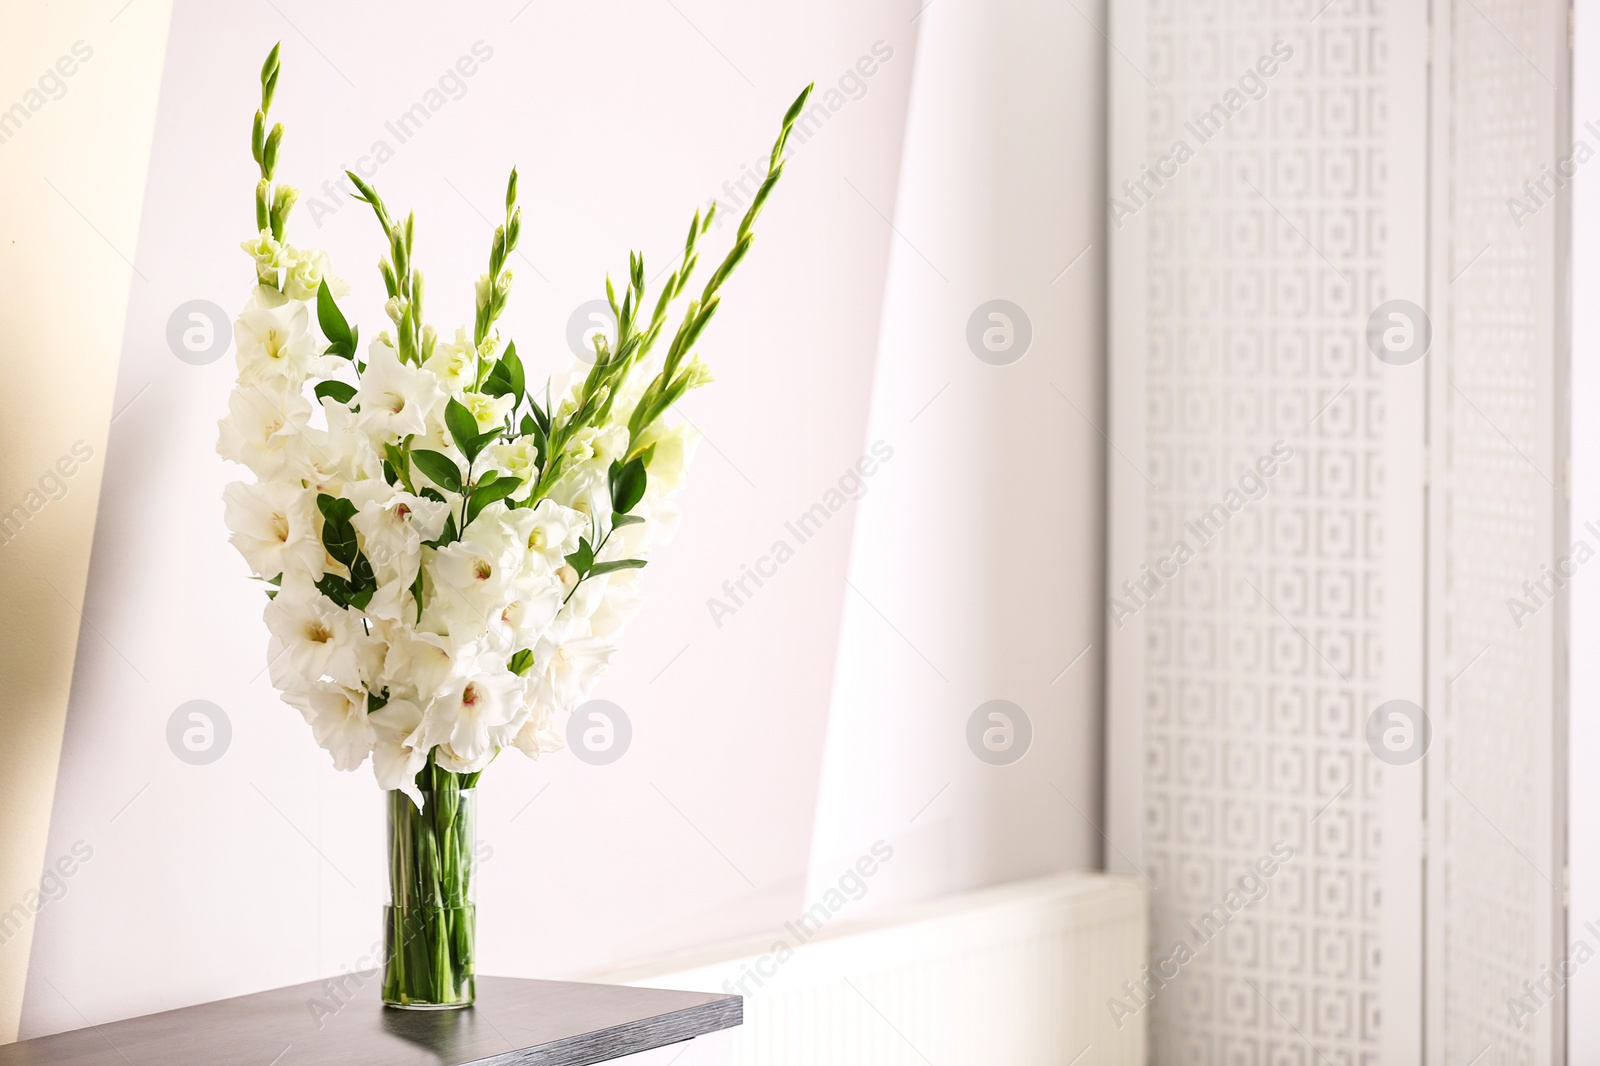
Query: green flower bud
pixel 269 154
pixel 283 200
pixel 258 136
pixel 270 67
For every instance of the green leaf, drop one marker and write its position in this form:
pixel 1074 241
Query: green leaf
pixel 482 439
pixel 463 427
pixel 335 588
pixel 361 577
pixel 489 491
pixel 618 521
pixel 582 560
pixel 335 508
pixel 513 364
pixel 431 493
pixel 341 338
pixel 338 535
pixel 541 442
pixel 506 378
pixel 627 485
pixel 615 565
pixel 355 591
pixel 342 392
pixel 521 662
pixel 498 383
pixel 541 416
pixel 439 468
pixel 416 592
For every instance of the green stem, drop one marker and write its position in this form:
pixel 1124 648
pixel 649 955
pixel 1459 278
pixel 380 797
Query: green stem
pixel 431 921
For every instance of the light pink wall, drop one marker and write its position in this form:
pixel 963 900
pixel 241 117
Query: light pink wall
pixel 264 868
pixel 977 569
pixel 981 540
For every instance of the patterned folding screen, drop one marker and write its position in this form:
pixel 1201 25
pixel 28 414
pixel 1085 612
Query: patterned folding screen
pixel 1281 179
pixel 1495 827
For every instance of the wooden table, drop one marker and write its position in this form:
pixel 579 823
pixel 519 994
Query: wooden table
pixel 515 1023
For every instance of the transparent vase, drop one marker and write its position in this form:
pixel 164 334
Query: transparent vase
pixel 430 924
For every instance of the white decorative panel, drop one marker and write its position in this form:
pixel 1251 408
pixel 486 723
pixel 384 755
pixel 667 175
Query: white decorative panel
pixel 1494 780
pixel 1274 489
pixel 1265 214
pixel 1264 443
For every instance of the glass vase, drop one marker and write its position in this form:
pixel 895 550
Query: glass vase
pixel 430 924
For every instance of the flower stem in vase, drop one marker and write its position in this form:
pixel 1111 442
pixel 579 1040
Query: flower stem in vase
pixel 431 922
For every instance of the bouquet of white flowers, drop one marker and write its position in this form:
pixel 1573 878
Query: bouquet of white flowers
pixel 452 554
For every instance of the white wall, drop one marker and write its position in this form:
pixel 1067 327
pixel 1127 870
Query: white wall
pixel 264 868
pixel 211 882
pixel 977 569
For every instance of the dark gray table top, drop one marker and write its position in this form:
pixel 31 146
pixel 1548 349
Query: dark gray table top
pixel 515 1023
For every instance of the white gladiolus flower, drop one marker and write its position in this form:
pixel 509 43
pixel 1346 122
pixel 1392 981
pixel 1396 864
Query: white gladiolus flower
pixel 521 622
pixel 262 426
pixel 567 661
pixel 622 600
pixel 473 717
pixel 546 533
pixel 488 411
pixel 314 638
pixel 478 570
pixel 338 720
pixel 519 459
pixel 272 525
pixel 393 524
pixel 538 734
pixel 585 599
pixel 394 398
pixel 398 754
pixel 454 364
pixel 422 662
pixel 307 271
pixel 265 250
pixel 597 447
pixel 674 447
pixel 273 342
pixel 342 455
